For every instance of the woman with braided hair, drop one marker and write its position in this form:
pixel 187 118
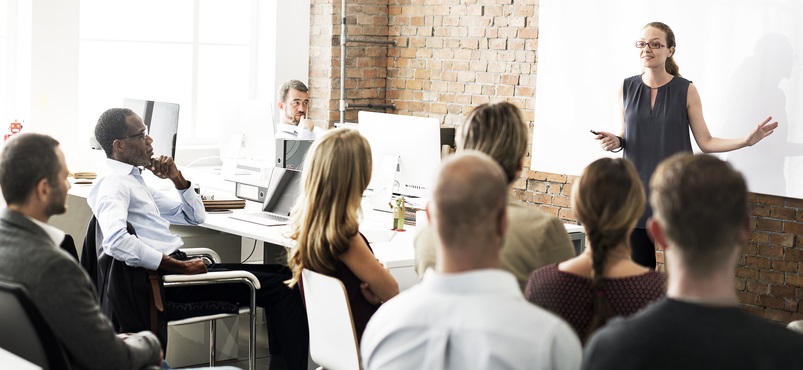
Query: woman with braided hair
pixel 603 281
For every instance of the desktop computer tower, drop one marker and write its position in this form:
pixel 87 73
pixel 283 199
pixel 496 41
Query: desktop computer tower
pixel 290 153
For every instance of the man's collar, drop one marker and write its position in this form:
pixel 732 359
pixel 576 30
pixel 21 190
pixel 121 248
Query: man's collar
pixel 120 168
pixel 52 232
pixel 490 281
pixel 284 127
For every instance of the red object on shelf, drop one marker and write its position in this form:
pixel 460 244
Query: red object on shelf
pixel 13 129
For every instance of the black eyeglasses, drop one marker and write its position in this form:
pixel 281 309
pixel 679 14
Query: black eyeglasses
pixel 140 136
pixel 651 44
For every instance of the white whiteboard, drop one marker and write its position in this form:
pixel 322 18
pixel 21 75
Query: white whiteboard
pixel 744 56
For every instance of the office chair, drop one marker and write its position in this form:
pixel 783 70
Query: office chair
pixel 134 297
pixel 24 332
pixel 219 277
pixel 332 338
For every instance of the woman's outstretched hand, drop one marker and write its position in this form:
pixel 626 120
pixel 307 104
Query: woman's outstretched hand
pixel 763 130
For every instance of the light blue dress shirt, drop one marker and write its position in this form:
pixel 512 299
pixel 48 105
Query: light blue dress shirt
pixel 121 195
pixel 291 132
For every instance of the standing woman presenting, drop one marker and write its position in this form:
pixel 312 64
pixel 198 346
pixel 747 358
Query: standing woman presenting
pixel 658 108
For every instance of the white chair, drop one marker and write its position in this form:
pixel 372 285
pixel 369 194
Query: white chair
pixel 219 277
pixel 332 338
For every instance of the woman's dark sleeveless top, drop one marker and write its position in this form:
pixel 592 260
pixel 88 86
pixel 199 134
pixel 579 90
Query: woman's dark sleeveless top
pixel 653 135
pixel 361 309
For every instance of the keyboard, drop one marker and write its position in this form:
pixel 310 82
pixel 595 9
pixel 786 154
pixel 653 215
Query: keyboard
pixel 262 218
pixel 269 216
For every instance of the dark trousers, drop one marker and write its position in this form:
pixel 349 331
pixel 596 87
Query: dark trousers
pixel 285 311
pixel 642 249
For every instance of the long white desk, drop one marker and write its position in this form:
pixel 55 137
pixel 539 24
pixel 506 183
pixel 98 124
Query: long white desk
pixel 393 249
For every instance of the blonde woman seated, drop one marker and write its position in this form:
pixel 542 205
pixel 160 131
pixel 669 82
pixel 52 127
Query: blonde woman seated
pixel 603 281
pixel 325 224
pixel 534 238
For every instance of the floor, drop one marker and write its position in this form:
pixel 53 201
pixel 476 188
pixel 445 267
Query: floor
pixel 263 356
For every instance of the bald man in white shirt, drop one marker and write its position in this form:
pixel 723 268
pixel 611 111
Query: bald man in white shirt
pixel 468 313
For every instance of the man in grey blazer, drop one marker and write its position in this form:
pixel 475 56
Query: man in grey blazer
pixel 33 176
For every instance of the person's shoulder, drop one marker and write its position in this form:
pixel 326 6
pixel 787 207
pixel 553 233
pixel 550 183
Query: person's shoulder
pixel 404 309
pixel 525 217
pixel 631 327
pixel 548 274
pixel 534 319
pixel 632 79
pixel 536 316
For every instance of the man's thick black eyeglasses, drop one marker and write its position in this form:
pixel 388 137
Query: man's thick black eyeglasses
pixel 140 136
pixel 651 44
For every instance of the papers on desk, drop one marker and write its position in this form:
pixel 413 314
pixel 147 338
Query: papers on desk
pixel 223 204
pixel 378 236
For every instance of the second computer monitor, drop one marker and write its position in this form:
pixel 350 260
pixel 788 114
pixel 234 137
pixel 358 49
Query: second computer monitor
pixel 161 120
pixel 414 140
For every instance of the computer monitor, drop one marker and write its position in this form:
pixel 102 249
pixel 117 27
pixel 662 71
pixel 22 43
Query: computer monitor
pixel 245 135
pixel 417 143
pixel 161 119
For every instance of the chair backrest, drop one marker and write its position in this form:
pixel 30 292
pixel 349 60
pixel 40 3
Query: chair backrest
pixel 332 339
pixel 24 332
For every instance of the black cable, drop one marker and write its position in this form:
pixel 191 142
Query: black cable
pixel 252 252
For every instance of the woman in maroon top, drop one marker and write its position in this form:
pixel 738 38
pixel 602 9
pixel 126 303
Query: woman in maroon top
pixel 603 281
pixel 325 224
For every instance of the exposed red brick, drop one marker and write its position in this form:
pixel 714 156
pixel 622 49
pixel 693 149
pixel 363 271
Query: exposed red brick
pixel 747 273
pixel 560 201
pixel 759 237
pixel 757 287
pixel 770 251
pixel 552 177
pixel 769 225
pixel 795 280
pixel 554 189
pixel 566 214
pixel 771 200
pixel 777 315
pixel 771 277
pixel 783 240
pixel 786 266
pixel 771 302
pixel 783 213
pixel 782 291
pixel 758 262
pixel 791 305
pixel 759 210
pixel 747 298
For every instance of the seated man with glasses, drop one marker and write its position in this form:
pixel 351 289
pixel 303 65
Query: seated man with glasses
pixel 121 196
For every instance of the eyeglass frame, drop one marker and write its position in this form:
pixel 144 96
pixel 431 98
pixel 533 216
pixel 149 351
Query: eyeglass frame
pixel 142 136
pixel 647 44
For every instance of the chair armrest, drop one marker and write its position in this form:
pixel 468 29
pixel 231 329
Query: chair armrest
pixel 202 252
pixel 214 277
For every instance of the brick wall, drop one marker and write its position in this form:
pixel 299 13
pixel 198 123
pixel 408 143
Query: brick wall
pixel 366 64
pixel 454 56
